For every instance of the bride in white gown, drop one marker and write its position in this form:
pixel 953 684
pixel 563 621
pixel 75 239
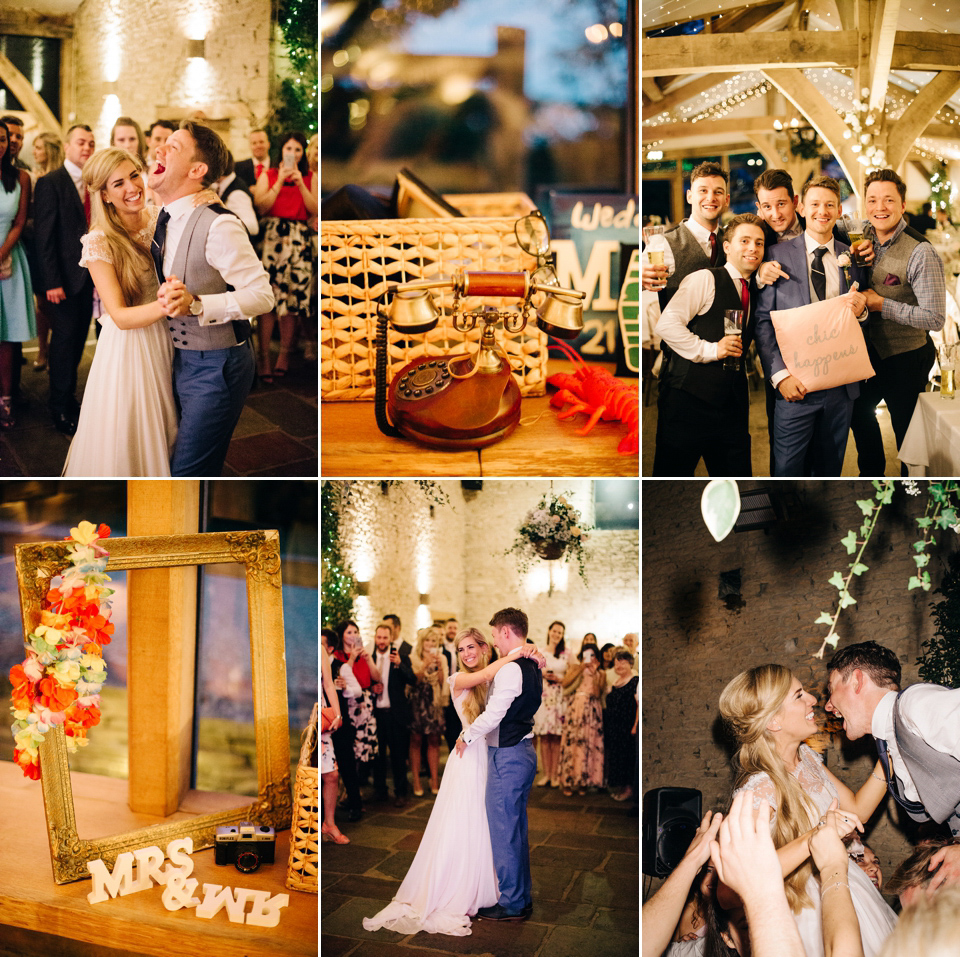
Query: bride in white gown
pixel 771 715
pixel 452 874
pixel 128 418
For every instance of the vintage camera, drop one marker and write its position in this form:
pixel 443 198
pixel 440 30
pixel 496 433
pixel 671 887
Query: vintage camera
pixel 245 845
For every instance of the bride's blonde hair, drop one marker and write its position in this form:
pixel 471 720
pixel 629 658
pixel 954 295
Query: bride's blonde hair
pixel 130 259
pixel 747 705
pixel 476 698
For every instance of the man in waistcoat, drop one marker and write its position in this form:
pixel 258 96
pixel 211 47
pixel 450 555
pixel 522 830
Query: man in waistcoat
pixel 505 728
pixel 809 430
pixel 213 283
pixel 693 243
pixel 703 408
pixel 917 733
pixel 906 298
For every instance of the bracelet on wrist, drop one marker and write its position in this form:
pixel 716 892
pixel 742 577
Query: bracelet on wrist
pixel 873 774
pixel 830 887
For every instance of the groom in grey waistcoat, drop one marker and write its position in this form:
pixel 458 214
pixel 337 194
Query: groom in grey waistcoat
pixel 917 734
pixel 212 283
pixel 507 726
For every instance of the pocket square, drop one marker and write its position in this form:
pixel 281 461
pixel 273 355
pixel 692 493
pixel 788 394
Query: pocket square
pixel 891 280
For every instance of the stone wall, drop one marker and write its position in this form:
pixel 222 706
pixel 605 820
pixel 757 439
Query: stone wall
pixel 456 556
pixel 693 645
pixel 131 59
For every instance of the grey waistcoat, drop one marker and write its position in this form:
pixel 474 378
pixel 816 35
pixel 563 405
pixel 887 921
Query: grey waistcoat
pixel 688 255
pixel 191 267
pixel 892 338
pixel 936 775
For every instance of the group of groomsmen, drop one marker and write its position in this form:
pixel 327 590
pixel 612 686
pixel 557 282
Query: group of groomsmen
pixel 787 256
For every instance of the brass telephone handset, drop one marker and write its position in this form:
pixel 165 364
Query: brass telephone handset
pixel 463 401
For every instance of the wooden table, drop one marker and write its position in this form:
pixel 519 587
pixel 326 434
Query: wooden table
pixel 352 445
pixel 138 924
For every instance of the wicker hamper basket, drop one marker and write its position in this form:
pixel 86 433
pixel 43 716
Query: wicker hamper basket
pixel 303 865
pixel 358 259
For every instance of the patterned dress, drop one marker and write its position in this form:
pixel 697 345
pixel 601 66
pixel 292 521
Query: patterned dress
pixel 581 744
pixel 427 702
pixel 288 247
pixel 549 716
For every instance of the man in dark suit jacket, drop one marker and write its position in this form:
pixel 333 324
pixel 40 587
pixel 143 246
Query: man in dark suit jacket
pixel 249 170
pixel 393 715
pixel 61 217
pixel 403 646
pixel 818 422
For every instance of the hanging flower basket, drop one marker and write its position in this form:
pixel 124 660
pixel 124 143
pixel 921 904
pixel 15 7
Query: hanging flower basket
pixel 548 549
pixel 550 531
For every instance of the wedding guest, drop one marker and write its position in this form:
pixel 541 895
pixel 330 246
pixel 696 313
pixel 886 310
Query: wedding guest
pixel 328 761
pixel 235 195
pixel 451 723
pixel 923 221
pixel 360 709
pixel 347 687
pixel 61 213
pixel 17 323
pixel 630 643
pixel 15 137
pixel 581 744
pixel 928 928
pixel 401 644
pixel 47 156
pixel 250 170
pixel 620 727
pixel 392 714
pixel 127 135
pixel 311 320
pixel 287 197
pixel 810 430
pixel 913 877
pixel 693 243
pixel 703 408
pixel 907 300
pixel 428 695
pixel 548 721
pixel 157 135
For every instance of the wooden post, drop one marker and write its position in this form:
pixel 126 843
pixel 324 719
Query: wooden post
pixel 161 636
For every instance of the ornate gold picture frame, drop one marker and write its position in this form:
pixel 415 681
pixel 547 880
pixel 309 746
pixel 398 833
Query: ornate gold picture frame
pixel 258 552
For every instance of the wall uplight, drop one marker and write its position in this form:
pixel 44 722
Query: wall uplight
pixel 196 49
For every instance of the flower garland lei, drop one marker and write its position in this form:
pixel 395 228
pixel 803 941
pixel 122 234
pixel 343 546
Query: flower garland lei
pixel 59 681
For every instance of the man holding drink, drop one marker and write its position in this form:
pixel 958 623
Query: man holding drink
pixel 694 243
pixel 906 298
pixel 703 408
pixel 810 430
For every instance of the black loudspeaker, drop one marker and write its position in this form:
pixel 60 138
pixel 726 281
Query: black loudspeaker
pixel 671 817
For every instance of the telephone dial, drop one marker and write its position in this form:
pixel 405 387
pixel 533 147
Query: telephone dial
pixel 468 401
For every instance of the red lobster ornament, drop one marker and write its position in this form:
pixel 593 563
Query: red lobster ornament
pixel 598 394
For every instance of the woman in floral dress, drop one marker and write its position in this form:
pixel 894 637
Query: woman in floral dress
pixel 328 763
pixel 581 744
pixel 548 721
pixel 428 697
pixel 360 708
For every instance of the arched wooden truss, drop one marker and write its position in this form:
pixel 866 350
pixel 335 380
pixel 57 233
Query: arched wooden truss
pixel 23 90
pixel 867 43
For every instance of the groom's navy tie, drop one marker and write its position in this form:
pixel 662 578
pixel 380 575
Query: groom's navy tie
pixel 156 247
pixel 884 757
pixel 896 789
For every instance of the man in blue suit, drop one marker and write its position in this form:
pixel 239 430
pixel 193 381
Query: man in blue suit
pixel 818 421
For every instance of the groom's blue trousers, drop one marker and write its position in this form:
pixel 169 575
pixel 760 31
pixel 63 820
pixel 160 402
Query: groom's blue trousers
pixel 211 387
pixel 510 774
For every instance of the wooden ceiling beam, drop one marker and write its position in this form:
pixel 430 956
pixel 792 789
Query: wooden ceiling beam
pixel 672 100
pixel 923 50
pixel 650 89
pixel 882 42
pixel 722 127
pixel 915 120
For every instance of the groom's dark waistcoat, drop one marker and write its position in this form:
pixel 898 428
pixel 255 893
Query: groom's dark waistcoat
pixel 517 723
pixel 935 774
pixel 191 266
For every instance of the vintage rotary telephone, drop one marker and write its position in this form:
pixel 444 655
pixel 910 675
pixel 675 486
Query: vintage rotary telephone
pixel 467 401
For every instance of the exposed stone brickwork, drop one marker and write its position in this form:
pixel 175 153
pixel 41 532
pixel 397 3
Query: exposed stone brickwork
pixel 693 645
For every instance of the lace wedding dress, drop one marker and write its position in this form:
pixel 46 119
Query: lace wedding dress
pixel 452 874
pixel 128 418
pixel 876 917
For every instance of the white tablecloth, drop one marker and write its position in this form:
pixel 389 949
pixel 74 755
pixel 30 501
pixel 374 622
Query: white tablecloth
pixel 932 443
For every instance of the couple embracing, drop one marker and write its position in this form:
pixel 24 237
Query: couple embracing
pixel 178 284
pixel 474 857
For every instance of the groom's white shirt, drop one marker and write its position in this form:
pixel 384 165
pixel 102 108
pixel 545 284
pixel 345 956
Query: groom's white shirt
pixel 506 685
pixel 229 251
pixel 931 712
